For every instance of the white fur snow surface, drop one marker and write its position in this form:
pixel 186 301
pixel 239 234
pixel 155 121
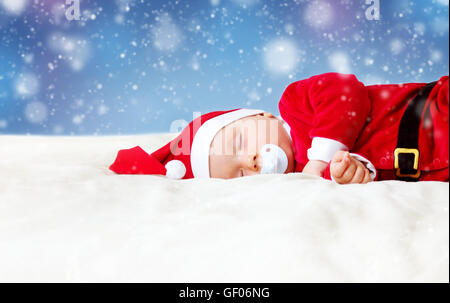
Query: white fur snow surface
pixel 64 217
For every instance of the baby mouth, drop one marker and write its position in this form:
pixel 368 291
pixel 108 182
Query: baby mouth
pixel 274 159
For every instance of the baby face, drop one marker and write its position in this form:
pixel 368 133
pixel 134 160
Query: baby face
pixel 235 150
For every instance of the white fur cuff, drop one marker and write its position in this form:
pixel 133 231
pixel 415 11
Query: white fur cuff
pixel 324 149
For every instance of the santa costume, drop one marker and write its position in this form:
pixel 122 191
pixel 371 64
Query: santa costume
pixel 387 125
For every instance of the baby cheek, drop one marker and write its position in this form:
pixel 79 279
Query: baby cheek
pixel 286 145
pixel 291 163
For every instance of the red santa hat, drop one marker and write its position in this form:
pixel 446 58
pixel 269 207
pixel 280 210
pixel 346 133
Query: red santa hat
pixel 186 156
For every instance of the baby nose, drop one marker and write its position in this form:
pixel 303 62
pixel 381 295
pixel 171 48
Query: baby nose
pixel 253 163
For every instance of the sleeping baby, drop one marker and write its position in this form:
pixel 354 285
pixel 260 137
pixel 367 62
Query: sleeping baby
pixel 331 125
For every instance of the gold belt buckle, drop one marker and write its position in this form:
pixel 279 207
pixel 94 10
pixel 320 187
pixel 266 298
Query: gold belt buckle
pixel 414 151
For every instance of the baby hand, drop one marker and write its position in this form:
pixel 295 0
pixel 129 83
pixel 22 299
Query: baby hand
pixel 315 167
pixel 346 169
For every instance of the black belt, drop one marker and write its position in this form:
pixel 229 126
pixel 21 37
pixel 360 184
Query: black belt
pixel 406 155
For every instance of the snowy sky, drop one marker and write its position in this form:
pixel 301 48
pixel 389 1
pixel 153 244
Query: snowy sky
pixel 135 66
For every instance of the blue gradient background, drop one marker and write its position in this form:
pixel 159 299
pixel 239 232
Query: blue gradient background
pixel 147 88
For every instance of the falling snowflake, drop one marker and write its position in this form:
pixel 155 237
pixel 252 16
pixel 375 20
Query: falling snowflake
pixel 27 85
pixel 166 35
pixel 245 3
pixel 281 56
pixel 14 7
pixel 76 50
pixel 340 62
pixel 35 112
pixel 319 14
pixel 397 46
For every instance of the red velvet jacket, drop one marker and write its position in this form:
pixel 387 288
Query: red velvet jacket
pixel 366 119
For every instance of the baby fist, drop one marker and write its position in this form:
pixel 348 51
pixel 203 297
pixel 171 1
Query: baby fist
pixel 346 170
